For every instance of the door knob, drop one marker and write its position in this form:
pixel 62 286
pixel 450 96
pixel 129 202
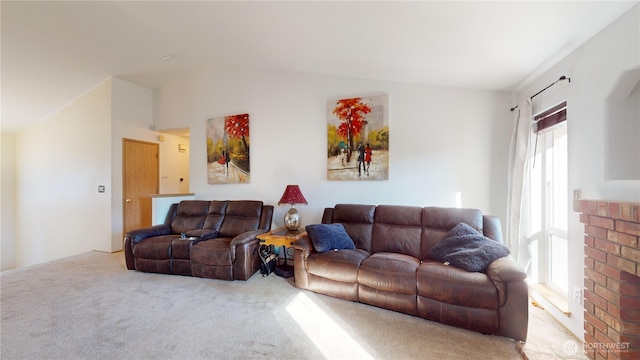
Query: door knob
pixel 127 200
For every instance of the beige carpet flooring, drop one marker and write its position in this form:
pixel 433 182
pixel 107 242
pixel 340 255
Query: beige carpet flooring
pixel 90 307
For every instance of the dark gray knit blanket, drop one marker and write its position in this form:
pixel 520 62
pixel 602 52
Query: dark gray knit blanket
pixel 466 248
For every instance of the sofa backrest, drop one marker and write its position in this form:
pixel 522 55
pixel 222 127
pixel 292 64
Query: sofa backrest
pixel 228 217
pixel 241 216
pixel 409 230
pixel 398 229
pixel 357 221
pixel 437 222
pixel 190 214
pixel 215 215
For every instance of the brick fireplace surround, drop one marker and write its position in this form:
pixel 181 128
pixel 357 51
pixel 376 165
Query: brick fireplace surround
pixel 612 278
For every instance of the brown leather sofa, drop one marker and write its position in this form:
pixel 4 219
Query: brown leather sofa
pixel 391 268
pixel 219 240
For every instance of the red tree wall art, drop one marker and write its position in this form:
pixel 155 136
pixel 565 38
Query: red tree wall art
pixel 358 139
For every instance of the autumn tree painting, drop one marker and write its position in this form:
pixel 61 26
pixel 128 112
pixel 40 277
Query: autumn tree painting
pixel 351 113
pixel 237 127
pixel 228 149
pixel 358 139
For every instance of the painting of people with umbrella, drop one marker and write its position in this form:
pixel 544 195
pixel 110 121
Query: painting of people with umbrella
pixel 358 138
pixel 228 149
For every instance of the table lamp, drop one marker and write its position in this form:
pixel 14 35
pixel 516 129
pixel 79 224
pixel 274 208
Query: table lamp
pixel 293 196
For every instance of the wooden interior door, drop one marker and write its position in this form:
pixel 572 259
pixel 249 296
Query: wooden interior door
pixel 140 172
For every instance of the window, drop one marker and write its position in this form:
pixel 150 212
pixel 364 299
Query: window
pixel 548 197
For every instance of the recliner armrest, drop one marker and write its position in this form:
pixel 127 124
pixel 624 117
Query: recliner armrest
pixel 246 237
pixel 506 269
pixel 242 239
pixel 140 234
pixel 303 244
pixel 513 295
pixel 503 272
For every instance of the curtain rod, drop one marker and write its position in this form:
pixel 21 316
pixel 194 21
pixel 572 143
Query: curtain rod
pixel 562 78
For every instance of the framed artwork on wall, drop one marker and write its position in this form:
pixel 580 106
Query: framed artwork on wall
pixel 228 156
pixel 358 138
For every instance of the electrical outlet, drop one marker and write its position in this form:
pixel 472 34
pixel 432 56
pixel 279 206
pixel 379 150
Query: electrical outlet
pixel 577 295
pixel 101 188
pixel 577 194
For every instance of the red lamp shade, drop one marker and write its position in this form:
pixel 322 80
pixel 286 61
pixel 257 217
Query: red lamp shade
pixel 292 195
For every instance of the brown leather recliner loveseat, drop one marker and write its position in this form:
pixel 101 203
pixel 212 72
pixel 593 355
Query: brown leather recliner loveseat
pixel 219 240
pixel 391 268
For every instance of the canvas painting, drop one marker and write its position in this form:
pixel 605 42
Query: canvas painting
pixel 228 156
pixel 358 138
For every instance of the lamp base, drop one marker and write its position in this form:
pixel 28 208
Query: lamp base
pixel 292 219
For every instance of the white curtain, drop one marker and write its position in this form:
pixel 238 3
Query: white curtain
pixel 518 186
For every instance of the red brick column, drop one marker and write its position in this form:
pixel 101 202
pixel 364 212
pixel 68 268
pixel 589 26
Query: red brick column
pixel 612 278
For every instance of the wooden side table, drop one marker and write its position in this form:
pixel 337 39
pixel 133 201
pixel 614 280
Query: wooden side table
pixel 282 237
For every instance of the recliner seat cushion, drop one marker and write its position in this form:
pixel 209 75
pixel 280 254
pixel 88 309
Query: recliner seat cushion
pixel 389 272
pixel 341 265
pixel 211 252
pixel 449 284
pixel 157 247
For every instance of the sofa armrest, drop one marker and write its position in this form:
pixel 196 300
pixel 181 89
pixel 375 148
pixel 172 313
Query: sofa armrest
pixel 505 269
pixel 303 248
pixel 140 234
pixel 244 238
pixel 513 294
pixel 304 245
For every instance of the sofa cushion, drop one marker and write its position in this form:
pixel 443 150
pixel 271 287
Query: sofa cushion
pixel 398 229
pixel 340 266
pixel 389 272
pixel 357 221
pixel 466 248
pixel 241 216
pixel 325 237
pixel 215 215
pixel 190 215
pixel 456 286
pixel 157 247
pixel 437 222
pixel 211 252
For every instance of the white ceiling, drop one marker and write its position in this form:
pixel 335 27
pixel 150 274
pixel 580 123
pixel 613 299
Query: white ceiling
pixel 53 51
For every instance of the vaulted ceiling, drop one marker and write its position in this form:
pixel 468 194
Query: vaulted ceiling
pixel 52 51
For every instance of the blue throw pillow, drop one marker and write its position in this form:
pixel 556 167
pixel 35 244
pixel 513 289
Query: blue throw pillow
pixel 325 237
pixel 466 248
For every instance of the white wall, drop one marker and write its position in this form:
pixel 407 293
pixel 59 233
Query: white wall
pixel 442 141
pixel 8 201
pixel 132 108
pixel 60 163
pixel 174 165
pixel 594 69
pixel 57 166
